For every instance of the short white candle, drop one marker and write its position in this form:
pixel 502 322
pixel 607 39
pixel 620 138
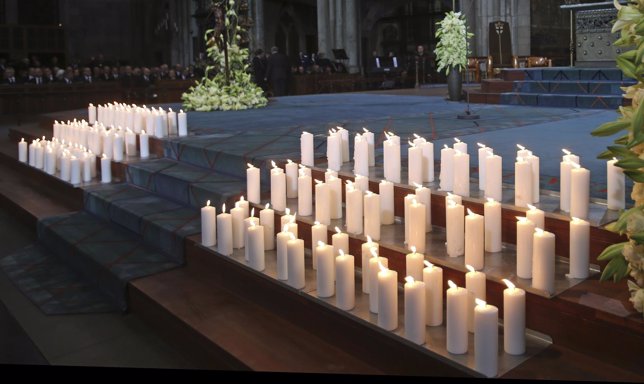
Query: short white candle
pixel 322 203
pixel 307 149
pixel 354 207
pixel 75 170
pixel 366 255
pixel 87 167
pixel 249 222
pixel 326 270
pixel 492 215
pixel 486 338
pixel 536 191
pixel 414 164
pixel 371 211
pixel 522 182
pixel 159 122
pixel 361 183
pixel 474 240
pixel 460 145
pixel 291 179
pixel 525 240
pixel 483 153
pixel 494 177
pixel 255 246
pixel 461 174
pixel 144 145
pixel 91 113
pixel 475 284
pixel 208 225
pixel 225 232
pixel 386 192
pixel 414 264
pixel 417 233
pixel 579 192
pixel 447 169
pixel 616 184
pixel 565 167
pixel 414 310
pixel 391 158
pixel 106 169
pixel 428 157
pixel 278 188
pixel 373 279
pixel 243 204
pixel 22 150
pixel 360 155
pixel 335 196
pixel 65 167
pixel 253 184
pixel 536 215
pixel 334 150
pixel 267 221
pixel 387 298
pixel 579 248
pixel 424 196
pixel 433 279
pixel 340 241
pixel 370 140
pixel 32 153
pixel 39 152
pixel 130 142
pixel 513 319
pixel 238 226
pixel 295 255
pixel 344 135
pixel 455 228
pixel 183 123
pixel 50 161
pixel 408 199
pixel 456 321
pixel 318 234
pixel 543 261
pixel 345 282
pixel 282 239
pixel 304 194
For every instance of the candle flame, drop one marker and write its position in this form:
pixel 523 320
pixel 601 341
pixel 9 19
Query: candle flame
pixel 451 203
pixel 316 222
pixel 490 200
pixel 451 284
pixel 289 161
pixel 267 205
pixel 241 199
pixel 614 159
pixel 413 249
pixel 456 139
pixel 305 133
pixel 409 279
pixel 236 204
pixel 458 152
pixel 208 203
pixel 382 267
pixel 321 243
pixel 417 136
pixel 365 130
pixel 539 231
pixel 338 230
pixel 522 219
pixel 418 185
pixel 369 193
pixel 576 219
pixel 143 132
pixel 470 213
pixel 509 283
pixel 273 163
pixel 288 211
pixel 223 208
pixel 285 228
pixel 565 151
pixel 411 144
pixel 170 109
pixel 318 182
pixel 22 140
pixel 428 264
pixel 331 132
pixel 292 236
pixel 470 268
pixel 339 128
pixel 341 252
pixel 181 111
pixel 373 251
pixel 250 165
pixel 576 166
pixel 252 212
pixel 293 218
pixel 369 239
pixel 531 207
pixel 480 303
pixel 480 145
pixel 521 147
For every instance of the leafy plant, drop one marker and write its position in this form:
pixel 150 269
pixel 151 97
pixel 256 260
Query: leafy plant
pixel 627 258
pixel 451 50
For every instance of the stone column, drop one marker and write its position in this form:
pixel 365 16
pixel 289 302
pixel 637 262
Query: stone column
pixel 323 27
pixel 260 42
pixel 351 35
pixel 332 37
pixel 339 22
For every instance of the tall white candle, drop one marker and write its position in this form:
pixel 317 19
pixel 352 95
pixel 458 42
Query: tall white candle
pixel 75 170
pixel 579 248
pixel 386 192
pixel 255 246
pixel 237 214
pixel 304 194
pixel 461 174
pixel 459 145
pixel 486 338
pixel 447 169
pixel 406 203
pixel 543 261
pixel 483 153
pixel 291 179
pixel 387 298
pixel 144 145
pixel 370 141
pixel 118 147
pixel 91 113
pixel 208 225
pixel 334 150
pixel 433 279
pixel 32 153
pixel 522 182
pixel 106 169
pixel 354 206
pixel 281 241
pixel 474 240
pixel 616 184
pixel 374 268
pixel 513 319
pixel 86 165
pixel 278 188
pixel 424 196
pixel 492 215
pixel 65 167
pixel 130 142
pixel 493 177
pixel 360 155
pixel 322 203
pixel 50 161
pixel 391 158
pixel 475 284
pixel 361 183
pixel 536 215
pixel 428 157
pixel 579 191
pixel 414 164
pixel 414 310
pixel 344 135
pixel 335 196
pixel 567 162
pixel 183 123
pixel 371 211
pixel 417 233
pixel 253 184
pixel 325 269
pixel 159 129
pixel 456 320
pixel 525 240
pixel 249 222
pixel 414 264
pixel 39 152
pixel 267 221
pixel 225 232
pixel 534 164
pixel 307 149
pixel 340 241
pixel 366 255
pixel 345 282
pixel 318 234
pixel 295 255
pixel 455 228
pixel 22 150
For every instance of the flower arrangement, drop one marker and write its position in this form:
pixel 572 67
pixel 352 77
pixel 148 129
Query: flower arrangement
pixel 451 50
pixel 225 92
pixel 627 258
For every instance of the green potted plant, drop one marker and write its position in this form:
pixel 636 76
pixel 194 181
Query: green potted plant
pixel 451 50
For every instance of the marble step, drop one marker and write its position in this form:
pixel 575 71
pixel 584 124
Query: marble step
pixel 596 101
pixel 571 87
pixel 564 74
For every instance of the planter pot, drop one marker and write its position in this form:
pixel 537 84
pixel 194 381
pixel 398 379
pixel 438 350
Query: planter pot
pixel 454 84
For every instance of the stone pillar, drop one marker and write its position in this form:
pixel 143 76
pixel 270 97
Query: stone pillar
pixel 11 12
pixel 351 35
pixel 339 22
pixel 323 27
pixel 258 8
pixel 331 24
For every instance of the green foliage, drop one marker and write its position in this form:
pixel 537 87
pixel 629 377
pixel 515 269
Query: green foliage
pixel 451 50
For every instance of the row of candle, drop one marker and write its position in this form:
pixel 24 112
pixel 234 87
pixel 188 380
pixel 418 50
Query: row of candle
pixel 155 120
pixel 455 169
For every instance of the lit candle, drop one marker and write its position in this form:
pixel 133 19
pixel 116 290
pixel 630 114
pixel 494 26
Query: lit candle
pixel 361 183
pixel 252 184
pixel 238 226
pixel 513 319
pixel 484 152
pixel 22 150
pixel 424 196
pixel 278 188
pixel 286 219
pixel 579 191
pixel 159 122
pixel 172 122
pixel 474 240
pixel 144 145
pixel 354 207
pixel 461 173
pixel 291 179
pixel 92 159
pixel 335 196
pixel 567 162
pixel 579 248
pixel 522 182
pixel 183 123
pixel 417 231
pixel 475 284
pixel 386 192
pixel 536 215
pixel 318 234
pixel 345 281
pixel 32 153
pixel 492 215
pixel 525 240
pixel 459 145
pixel 340 241
pixel 307 151
pixel 543 261
pixel 428 157
pixel 267 221
pixel 616 183
pixel 282 253
pixel 326 270
pixel 366 255
pixel 91 113
pixel 391 158
pixel 414 310
pixel 322 203
pixel 243 204
pixel 534 164
pixel 387 298
pixel 304 194
pixel 39 152
pixel 248 222
pixel 414 264
pixel 295 255
pixel 65 167
pixel 374 268
pixel 208 225
pixel 455 228
pixel 456 322
pixel 224 232
pixel 87 164
pixel 408 199
pixel 334 150
pixel 371 211
pixel 75 170
pixel 106 169
pixel 370 140
pixel 344 135
pixel 50 161
pixel 360 155
pixel 414 164
pixel 447 169
pixel 486 338
pixel 255 246
pixel 433 279
pixel 493 177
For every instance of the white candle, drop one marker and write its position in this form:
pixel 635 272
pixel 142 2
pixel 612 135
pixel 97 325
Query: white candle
pixel 326 270
pixel 433 279
pixel 318 234
pixel 361 183
pixel 565 167
pixel 414 310
pixel 493 177
pixel 91 113
pixel 253 184
pixel 32 153
pixel 144 145
pixel 65 167
pixel 354 207
pixel 289 220
pixel 208 225
pixel 408 199
pixel 579 192
pixel 22 150
pixel 278 188
pixel 414 164
pixel 224 232
pixel 543 261
pixel 417 222
pixel 340 241
pixel 616 183
pixel 249 222
pixel 424 196
pixel 244 205
pixel 307 149
pixel 579 248
pixel 172 123
pixel 537 216
pixel 344 135
pixel 50 161
pixel 255 246
pixel 267 221
pixel 414 264
pixel 366 255
pixel 486 338
pixel 374 268
pixel 459 145
pixel 183 123
pixel 345 282
pixel 86 166
pixel 335 195
pixel 513 319
pixel 461 174
pixel 387 298
pixel 525 240
pixel 75 170
pixel 370 140
pixel 484 152
pixel 534 164
pixel 295 255
pixel 447 169
pixel 238 226
pixel 474 240
pixel 360 155
pixel 159 129
pixel 428 157
pixel 92 159
pixel 282 239
pixel 371 211
pixel 522 182
pixel 39 152
pixel 391 158
pixel 106 169
pixel 492 215
pixel 322 203
pixel 455 228
pixel 304 194
pixel 386 192
pixel 291 179
pixel 456 321
pixel 118 147
pixel 475 284
pixel 334 150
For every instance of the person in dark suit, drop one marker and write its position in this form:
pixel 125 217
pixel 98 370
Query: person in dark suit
pixel 258 66
pixel 37 77
pixel 9 76
pixel 278 72
pixel 47 75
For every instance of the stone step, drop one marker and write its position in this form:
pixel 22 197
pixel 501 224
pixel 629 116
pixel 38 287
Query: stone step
pixel 564 73
pixel 561 100
pixel 571 87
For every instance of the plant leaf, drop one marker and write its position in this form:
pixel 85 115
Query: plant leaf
pixel 638 237
pixel 630 163
pixel 636 176
pixel 611 251
pixel 621 151
pixel 606 155
pixel 610 128
pixel 622 140
pixel 626 66
pixel 615 269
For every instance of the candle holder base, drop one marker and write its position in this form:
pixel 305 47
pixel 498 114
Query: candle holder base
pixel 467 115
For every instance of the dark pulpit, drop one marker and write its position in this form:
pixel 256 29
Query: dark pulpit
pixel 500 44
